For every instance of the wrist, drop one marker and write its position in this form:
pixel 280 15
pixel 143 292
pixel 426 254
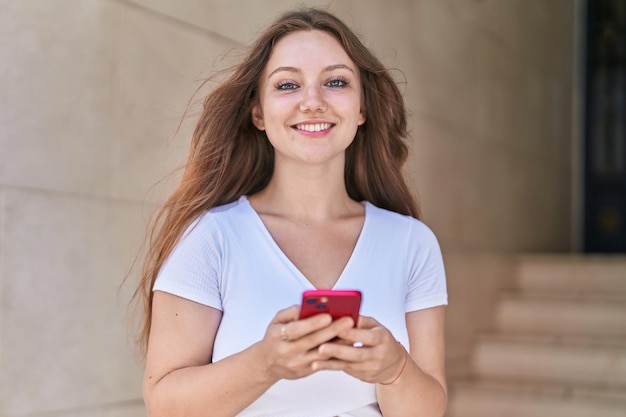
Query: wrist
pixel 402 367
pixel 259 365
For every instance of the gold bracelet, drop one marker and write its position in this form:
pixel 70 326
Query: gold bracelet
pixel 406 359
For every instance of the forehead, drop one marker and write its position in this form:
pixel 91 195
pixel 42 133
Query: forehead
pixel 307 49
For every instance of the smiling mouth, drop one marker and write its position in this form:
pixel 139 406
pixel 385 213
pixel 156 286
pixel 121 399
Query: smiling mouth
pixel 315 127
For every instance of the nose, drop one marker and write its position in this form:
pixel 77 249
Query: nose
pixel 313 99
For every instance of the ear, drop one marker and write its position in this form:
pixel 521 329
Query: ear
pixel 362 117
pixel 257 117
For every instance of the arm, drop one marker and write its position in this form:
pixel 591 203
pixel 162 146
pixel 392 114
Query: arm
pixel 420 388
pixel 180 379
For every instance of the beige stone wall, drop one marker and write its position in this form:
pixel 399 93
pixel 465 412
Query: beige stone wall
pixel 491 89
pixel 90 96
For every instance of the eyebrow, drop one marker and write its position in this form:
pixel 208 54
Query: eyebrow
pixel 297 70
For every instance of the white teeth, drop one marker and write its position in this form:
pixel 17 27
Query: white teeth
pixel 317 127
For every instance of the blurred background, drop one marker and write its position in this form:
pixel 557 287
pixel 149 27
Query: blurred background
pixel 518 158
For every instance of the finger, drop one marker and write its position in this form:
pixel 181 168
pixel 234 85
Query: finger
pixel 344 352
pixel 356 334
pixel 355 361
pixel 366 322
pixel 327 332
pixel 369 332
pixel 365 337
pixel 286 315
pixel 344 342
pixel 281 325
pixel 297 329
pixel 331 365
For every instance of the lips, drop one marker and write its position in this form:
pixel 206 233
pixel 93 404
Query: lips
pixel 314 127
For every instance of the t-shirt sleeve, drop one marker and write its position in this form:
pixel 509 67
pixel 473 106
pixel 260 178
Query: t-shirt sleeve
pixel 427 277
pixel 192 269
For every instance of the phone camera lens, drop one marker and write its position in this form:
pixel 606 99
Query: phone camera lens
pixel 321 306
pixel 311 301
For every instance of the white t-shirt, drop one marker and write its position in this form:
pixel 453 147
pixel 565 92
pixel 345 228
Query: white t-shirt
pixel 228 260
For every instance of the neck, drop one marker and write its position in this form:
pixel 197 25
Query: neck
pixel 310 195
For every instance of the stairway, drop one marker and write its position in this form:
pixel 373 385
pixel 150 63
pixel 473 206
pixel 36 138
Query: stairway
pixel 559 347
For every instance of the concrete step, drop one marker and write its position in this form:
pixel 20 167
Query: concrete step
pixel 598 361
pixel 562 314
pixel 575 273
pixel 506 398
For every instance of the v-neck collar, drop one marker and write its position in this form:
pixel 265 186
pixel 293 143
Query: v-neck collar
pixel 345 273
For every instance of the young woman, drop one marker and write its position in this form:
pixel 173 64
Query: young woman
pixel 294 182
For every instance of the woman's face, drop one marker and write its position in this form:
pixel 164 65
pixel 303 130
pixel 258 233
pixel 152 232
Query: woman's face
pixel 309 99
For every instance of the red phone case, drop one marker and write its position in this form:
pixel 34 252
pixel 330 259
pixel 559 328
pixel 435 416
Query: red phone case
pixel 337 303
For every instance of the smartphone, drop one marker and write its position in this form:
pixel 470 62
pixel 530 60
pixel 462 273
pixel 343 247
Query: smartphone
pixel 337 303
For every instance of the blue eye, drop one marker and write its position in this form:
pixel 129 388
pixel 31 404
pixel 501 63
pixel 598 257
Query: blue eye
pixel 286 85
pixel 337 83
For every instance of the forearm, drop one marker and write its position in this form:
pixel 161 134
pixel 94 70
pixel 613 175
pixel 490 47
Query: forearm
pixel 220 389
pixel 414 393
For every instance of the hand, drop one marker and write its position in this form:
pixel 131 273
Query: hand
pixel 379 359
pixel 290 346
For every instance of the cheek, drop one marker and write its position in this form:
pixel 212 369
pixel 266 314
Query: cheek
pixel 278 111
pixel 350 105
pixel 356 113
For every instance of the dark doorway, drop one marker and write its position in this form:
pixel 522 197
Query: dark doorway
pixel 605 132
